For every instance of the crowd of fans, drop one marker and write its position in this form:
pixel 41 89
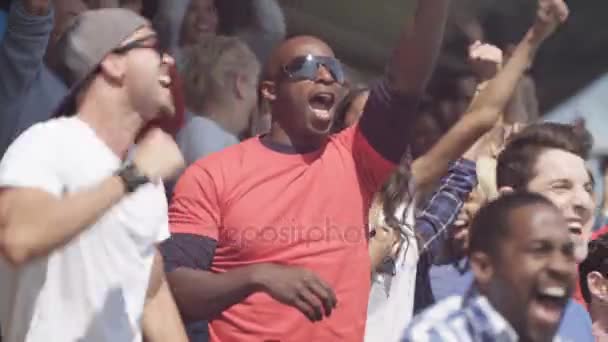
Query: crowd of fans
pixel 178 170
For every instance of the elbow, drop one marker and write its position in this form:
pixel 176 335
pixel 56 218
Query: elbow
pixel 13 248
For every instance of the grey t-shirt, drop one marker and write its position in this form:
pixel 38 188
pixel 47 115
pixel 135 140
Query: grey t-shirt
pixel 201 136
pixel 198 138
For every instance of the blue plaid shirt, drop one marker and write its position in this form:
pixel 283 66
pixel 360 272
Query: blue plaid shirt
pixel 456 318
pixel 434 221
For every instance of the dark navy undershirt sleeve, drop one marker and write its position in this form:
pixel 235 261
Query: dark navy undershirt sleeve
pixel 388 120
pixel 188 250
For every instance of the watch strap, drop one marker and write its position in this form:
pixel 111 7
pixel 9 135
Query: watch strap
pixel 132 177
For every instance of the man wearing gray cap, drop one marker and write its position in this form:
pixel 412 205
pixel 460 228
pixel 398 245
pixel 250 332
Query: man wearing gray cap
pixel 79 220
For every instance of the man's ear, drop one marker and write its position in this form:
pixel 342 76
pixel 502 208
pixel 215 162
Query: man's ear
pixel 482 267
pixel 113 68
pixel 240 84
pixel 268 90
pixel 598 286
pixel 505 190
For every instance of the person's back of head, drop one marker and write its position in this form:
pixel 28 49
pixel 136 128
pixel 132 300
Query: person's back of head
pixel 593 272
pixel 221 74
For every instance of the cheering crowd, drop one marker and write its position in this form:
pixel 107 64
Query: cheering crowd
pixel 182 170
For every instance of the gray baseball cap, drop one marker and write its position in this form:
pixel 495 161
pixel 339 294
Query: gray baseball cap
pixel 88 40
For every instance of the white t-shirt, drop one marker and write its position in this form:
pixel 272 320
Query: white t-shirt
pixel 92 289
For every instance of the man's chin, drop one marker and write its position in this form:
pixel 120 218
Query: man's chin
pixel 321 127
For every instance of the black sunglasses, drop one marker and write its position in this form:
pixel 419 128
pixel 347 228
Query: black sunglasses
pixel 142 43
pixel 306 68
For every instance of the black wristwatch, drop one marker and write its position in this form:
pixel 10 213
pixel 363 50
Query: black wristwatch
pixel 132 177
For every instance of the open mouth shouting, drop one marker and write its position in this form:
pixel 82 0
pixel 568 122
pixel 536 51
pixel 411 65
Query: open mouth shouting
pixel 321 103
pixel 548 303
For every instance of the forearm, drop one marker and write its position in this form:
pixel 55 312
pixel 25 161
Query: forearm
pixel 34 226
pixel 202 295
pixel 428 169
pixel 433 222
pixel 161 321
pixel 419 46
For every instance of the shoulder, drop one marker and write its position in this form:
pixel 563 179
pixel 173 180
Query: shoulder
pixel 436 318
pixel 226 162
pixel 40 136
pixel 439 312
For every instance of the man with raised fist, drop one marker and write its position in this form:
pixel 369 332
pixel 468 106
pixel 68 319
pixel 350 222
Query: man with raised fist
pixel 81 209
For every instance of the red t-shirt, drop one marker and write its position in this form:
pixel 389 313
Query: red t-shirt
pixel 578 294
pixel 264 205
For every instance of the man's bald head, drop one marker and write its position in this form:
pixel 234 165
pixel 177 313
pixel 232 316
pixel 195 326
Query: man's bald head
pixel 294 47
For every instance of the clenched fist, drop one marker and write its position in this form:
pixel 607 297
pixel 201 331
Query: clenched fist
pixel 485 60
pixel 37 7
pixel 157 156
pixel 550 14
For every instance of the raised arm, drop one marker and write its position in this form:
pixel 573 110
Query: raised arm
pixel 415 56
pixel 391 108
pixel 441 210
pixel 22 50
pixel 487 107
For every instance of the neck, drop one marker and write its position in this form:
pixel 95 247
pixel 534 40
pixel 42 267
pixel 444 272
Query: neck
pixel 599 315
pixel 223 114
pixel 279 135
pixel 114 125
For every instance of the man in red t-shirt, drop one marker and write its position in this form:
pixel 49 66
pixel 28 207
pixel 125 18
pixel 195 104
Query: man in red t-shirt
pixel 269 237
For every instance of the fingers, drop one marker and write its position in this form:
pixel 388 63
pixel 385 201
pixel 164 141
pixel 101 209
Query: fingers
pixel 325 295
pixel 553 11
pixel 312 303
pixel 315 299
pixel 306 309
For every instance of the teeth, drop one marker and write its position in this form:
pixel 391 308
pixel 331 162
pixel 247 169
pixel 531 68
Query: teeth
pixel 554 291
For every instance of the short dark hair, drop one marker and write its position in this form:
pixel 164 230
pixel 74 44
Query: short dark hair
pixel 515 166
pixel 597 260
pixel 492 222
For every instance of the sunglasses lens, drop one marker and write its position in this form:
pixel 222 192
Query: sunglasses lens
pixel 335 68
pixel 307 67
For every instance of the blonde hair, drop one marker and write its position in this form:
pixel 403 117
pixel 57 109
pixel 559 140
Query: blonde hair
pixel 211 66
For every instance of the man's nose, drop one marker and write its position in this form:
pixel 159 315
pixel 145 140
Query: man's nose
pixel 323 74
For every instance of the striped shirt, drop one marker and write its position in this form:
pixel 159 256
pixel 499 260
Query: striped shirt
pixel 434 221
pixel 456 318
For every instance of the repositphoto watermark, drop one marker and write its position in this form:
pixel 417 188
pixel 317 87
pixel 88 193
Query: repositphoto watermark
pixel 293 234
